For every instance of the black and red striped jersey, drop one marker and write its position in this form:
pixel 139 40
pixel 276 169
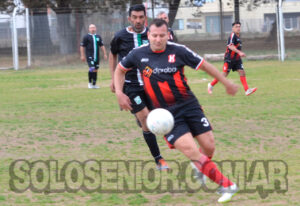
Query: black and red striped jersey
pixel 163 72
pixel 234 40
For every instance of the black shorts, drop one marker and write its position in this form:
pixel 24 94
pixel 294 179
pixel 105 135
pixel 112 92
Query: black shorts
pixel 189 117
pixel 232 65
pixel 138 97
pixel 92 63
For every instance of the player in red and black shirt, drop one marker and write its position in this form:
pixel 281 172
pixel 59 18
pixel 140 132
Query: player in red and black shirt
pixel 161 64
pixel 232 59
pixel 123 42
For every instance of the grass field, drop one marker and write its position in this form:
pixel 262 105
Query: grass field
pixel 49 114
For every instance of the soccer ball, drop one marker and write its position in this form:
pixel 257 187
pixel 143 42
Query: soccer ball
pixel 160 121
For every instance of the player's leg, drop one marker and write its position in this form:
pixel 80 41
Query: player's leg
pixel 188 147
pixel 90 85
pixel 95 73
pixel 91 64
pixel 241 71
pixel 141 112
pixel 226 70
pixel 207 144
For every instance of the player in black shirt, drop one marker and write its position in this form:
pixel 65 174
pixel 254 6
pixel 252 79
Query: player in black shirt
pixel 232 59
pixel 122 43
pixel 164 16
pixel 89 51
pixel 161 64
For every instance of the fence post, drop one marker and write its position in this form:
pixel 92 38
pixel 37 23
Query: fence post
pixel 28 38
pixel 15 40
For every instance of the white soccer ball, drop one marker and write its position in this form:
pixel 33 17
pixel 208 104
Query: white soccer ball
pixel 160 121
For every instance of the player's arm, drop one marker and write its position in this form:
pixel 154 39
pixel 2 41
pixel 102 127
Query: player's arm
pixel 233 48
pixel 112 60
pixel 82 54
pixel 119 79
pixel 83 44
pixel 104 52
pixel 231 88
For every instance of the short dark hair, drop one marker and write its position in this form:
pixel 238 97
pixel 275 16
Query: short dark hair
pixel 236 22
pixel 137 7
pixel 158 23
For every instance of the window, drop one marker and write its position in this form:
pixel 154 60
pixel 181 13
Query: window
pixel 213 24
pixel 178 24
pixel 194 24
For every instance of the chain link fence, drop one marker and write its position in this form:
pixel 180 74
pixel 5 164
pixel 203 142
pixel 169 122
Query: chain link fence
pixel 56 35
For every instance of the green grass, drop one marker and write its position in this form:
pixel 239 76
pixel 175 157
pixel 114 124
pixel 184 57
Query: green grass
pixel 49 114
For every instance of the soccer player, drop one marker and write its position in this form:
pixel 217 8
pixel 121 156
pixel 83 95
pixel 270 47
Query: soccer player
pixel 123 42
pixel 164 16
pixel 166 86
pixel 89 51
pixel 232 59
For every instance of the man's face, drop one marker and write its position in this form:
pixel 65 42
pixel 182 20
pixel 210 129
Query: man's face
pixel 236 28
pixel 164 16
pixel 158 37
pixel 137 20
pixel 92 29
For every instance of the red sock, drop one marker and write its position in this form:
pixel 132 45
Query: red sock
pixel 209 157
pixel 244 82
pixel 209 168
pixel 214 82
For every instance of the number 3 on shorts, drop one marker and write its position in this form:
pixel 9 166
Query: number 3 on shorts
pixel 205 122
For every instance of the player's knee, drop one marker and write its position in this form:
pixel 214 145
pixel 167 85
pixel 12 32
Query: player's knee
pixel 210 150
pixel 142 119
pixel 191 152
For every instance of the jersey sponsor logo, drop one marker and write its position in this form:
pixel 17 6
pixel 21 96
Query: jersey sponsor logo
pixel 147 72
pixel 167 70
pixel 138 100
pixel 97 39
pixel 144 60
pixel 170 137
pixel 171 58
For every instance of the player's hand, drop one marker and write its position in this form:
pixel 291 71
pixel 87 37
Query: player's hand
pixel 112 86
pixel 242 54
pixel 124 101
pixel 231 88
pixel 105 57
pixel 82 58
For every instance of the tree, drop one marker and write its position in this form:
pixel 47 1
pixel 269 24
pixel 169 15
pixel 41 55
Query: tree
pixel 173 8
pixel 7 6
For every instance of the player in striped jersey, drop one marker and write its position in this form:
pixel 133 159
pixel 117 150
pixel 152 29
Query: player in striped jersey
pixel 167 87
pixel 232 59
pixel 123 42
pixel 89 51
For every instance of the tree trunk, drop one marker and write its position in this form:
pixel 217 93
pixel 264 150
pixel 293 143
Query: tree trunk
pixel 236 10
pixel 67 33
pixel 173 6
pixel 40 35
pixel 221 21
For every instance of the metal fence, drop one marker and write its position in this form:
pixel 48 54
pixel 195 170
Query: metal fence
pixel 55 36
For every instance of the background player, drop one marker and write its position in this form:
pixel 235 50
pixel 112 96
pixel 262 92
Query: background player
pixel 89 51
pixel 123 42
pixel 164 16
pixel 232 59
pixel 166 86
